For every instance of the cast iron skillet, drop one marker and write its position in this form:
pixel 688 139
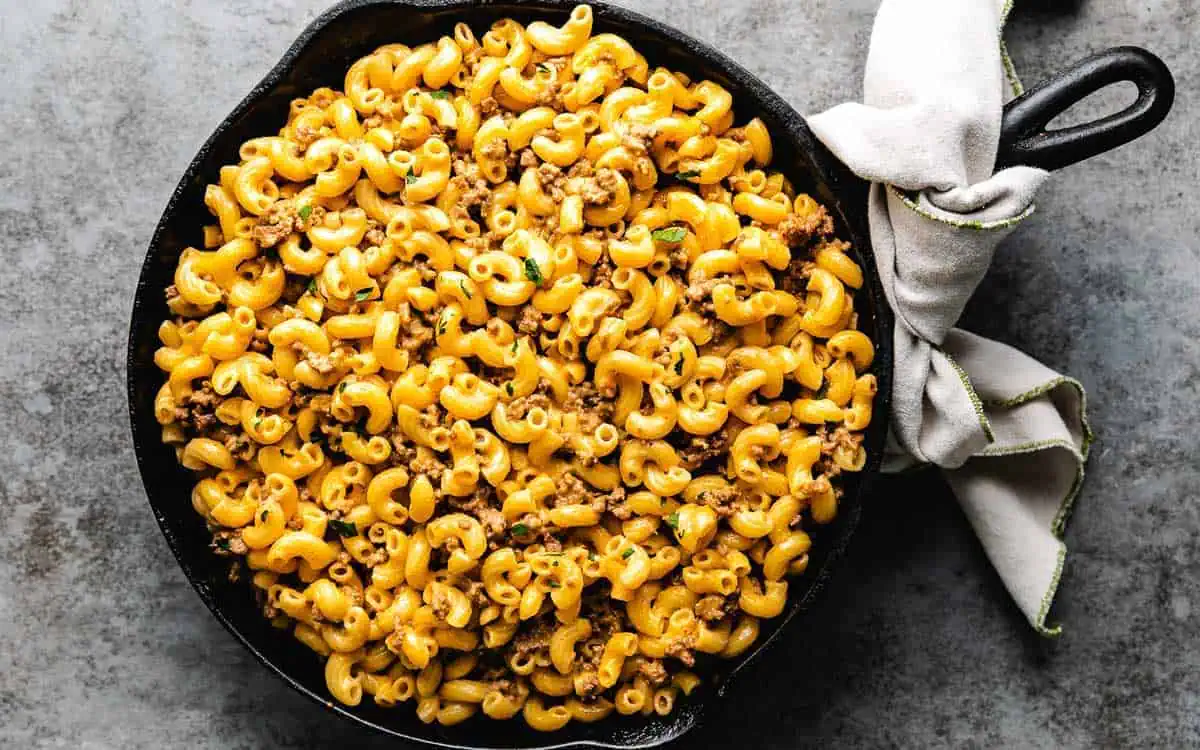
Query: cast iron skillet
pixel 319 58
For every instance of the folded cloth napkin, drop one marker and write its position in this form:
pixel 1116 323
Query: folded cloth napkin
pixel 1010 434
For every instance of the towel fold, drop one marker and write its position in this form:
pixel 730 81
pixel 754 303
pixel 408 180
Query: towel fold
pixel 1010 434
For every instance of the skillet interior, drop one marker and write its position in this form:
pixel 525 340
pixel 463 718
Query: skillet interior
pixel 319 58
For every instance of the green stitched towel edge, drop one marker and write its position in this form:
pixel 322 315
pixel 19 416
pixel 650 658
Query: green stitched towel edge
pixel 1066 505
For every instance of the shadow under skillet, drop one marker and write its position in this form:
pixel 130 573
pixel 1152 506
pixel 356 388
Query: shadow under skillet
pixel 256 708
pixel 1046 8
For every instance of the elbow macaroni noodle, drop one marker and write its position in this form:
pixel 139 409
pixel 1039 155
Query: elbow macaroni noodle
pixel 515 377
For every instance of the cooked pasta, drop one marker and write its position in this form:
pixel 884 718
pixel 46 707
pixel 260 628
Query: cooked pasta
pixel 513 375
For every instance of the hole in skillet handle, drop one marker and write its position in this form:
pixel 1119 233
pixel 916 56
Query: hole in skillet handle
pixel 1025 141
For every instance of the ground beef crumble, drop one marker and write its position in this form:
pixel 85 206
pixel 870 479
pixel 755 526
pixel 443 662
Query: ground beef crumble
pixel 533 639
pixel 795 276
pixel 440 604
pixel 598 189
pixel 799 229
pixel 322 363
pixel 725 501
pixel 587 682
pixel 239 444
pixel 654 671
pixel 700 291
pixel 698 296
pixel 283 218
pixel 305 135
pixel 196 413
pixel 682 650
pixel 415 335
pixel 375 235
pixel 571 490
pixel 702 448
pixel 229 543
pixel 713 607
pixel 529 321
pixel 473 189
pixel 478 504
pixel 593 409
pixel 602 272
pixel 831 440
pixel 839 437
pixel 418 461
pixel 552 180
pixel 496 149
pixel 519 407
pixel 551 542
pixel 604 616
pixel 639 137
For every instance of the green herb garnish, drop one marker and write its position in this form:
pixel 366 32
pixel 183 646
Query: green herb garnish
pixel 687 175
pixel 669 234
pixel 463 286
pixel 305 212
pixel 341 386
pixel 441 325
pixel 508 387
pixel 363 294
pixel 627 554
pixel 679 365
pixel 312 286
pixel 262 516
pixel 533 272
pixel 520 529
pixel 222 543
pixel 514 346
pixel 439 94
pixel 410 178
pixel 553 583
pixel 673 521
pixel 343 528
pixel 544 67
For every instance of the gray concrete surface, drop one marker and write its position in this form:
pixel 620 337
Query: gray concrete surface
pixel 103 645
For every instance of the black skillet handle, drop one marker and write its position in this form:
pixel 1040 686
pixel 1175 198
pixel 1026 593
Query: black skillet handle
pixel 1023 136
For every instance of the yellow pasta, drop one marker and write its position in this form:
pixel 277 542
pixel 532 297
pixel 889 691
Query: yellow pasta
pixel 516 376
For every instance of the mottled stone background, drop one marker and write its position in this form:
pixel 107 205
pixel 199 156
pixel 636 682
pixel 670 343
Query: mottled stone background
pixel 103 644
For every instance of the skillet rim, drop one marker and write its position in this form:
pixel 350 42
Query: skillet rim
pixel 848 190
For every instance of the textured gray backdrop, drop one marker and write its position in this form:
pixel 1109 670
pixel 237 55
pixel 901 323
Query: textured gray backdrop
pixel 103 644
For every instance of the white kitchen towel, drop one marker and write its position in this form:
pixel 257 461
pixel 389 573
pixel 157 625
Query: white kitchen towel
pixel 1010 434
